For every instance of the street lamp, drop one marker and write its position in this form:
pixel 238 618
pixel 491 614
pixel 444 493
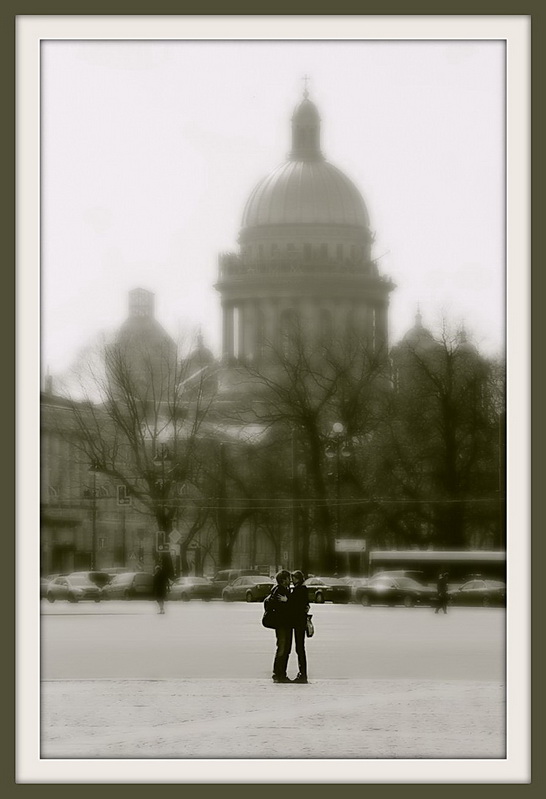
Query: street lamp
pixel 337 449
pixel 93 469
pixel 160 459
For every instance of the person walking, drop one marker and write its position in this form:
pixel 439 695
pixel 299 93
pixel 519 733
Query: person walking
pixel 442 592
pixel 298 605
pixel 160 584
pixel 283 632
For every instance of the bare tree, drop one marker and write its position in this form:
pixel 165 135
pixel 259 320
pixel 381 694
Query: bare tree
pixel 301 387
pixel 137 418
pixel 443 453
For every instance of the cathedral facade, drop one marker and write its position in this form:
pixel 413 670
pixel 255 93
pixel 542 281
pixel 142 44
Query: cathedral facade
pixel 304 267
pixel 304 257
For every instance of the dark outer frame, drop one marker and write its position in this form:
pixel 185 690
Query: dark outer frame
pixel 9 11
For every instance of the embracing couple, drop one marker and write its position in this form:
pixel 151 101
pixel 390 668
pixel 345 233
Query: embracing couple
pixel 291 607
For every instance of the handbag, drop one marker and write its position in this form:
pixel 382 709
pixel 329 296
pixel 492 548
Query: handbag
pixel 309 627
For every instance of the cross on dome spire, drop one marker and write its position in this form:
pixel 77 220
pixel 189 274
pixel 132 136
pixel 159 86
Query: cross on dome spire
pixel 306 79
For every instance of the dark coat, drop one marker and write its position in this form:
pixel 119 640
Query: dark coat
pixel 282 609
pixel 298 605
pixel 442 585
pixel 160 583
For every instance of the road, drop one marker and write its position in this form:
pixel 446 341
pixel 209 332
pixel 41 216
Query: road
pixel 217 640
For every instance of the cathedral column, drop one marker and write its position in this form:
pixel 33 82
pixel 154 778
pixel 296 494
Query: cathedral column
pixel 249 330
pixel 381 328
pixel 370 328
pixel 270 324
pixel 228 331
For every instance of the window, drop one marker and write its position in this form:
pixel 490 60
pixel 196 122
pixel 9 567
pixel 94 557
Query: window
pixel 323 251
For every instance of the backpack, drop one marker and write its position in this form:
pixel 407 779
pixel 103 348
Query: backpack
pixel 269 619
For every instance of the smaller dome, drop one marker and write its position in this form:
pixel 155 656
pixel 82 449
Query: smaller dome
pixel 201 354
pixel 419 337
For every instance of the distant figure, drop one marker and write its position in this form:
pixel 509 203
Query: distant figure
pixel 160 584
pixel 298 604
pixel 283 632
pixel 442 592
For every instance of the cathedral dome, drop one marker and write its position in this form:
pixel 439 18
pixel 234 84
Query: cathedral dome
pixel 306 189
pixel 305 192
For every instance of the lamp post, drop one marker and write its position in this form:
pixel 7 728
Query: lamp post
pixel 337 449
pixel 93 469
pixel 162 457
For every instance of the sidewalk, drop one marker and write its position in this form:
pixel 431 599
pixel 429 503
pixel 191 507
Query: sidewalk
pixel 236 719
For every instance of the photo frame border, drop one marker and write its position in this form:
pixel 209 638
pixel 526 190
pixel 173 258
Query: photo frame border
pixel 30 31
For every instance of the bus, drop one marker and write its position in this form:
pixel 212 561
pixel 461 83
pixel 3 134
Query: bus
pixel 462 565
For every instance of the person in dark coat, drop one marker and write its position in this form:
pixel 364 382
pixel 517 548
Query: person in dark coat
pixel 442 592
pixel 160 584
pixel 283 632
pixel 298 604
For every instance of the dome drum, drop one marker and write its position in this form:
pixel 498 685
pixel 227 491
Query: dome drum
pixel 293 263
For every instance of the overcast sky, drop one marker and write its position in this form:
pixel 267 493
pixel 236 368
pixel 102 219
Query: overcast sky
pixel 150 150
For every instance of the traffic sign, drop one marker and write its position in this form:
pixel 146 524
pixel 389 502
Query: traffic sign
pixel 350 545
pixel 174 536
pixel 132 556
pixel 124 496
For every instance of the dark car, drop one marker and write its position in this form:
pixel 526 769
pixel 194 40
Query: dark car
pixel 383 590
pixel 130 585
pixel 100 578
pixel 418 576
pixel 479 592
pixel 226 576
pixel 73 587
pixel 251 588
pixel 354 583
pixel 186 588
pixel 327 589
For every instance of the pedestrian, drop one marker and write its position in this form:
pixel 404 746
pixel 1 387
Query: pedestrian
pixel 298 604
pixel 442 592
pixel 283 631
pixel 160 584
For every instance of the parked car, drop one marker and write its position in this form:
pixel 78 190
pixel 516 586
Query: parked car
pixel 186 588
pixel 226 576
pixel 99 578
pixel 130 585
pixel 418 576
pixel 44 582
pixel 384 590
pixel 251 588
pixel 479 592
pixel 73 587
pixel 327 589
pixel 356 582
